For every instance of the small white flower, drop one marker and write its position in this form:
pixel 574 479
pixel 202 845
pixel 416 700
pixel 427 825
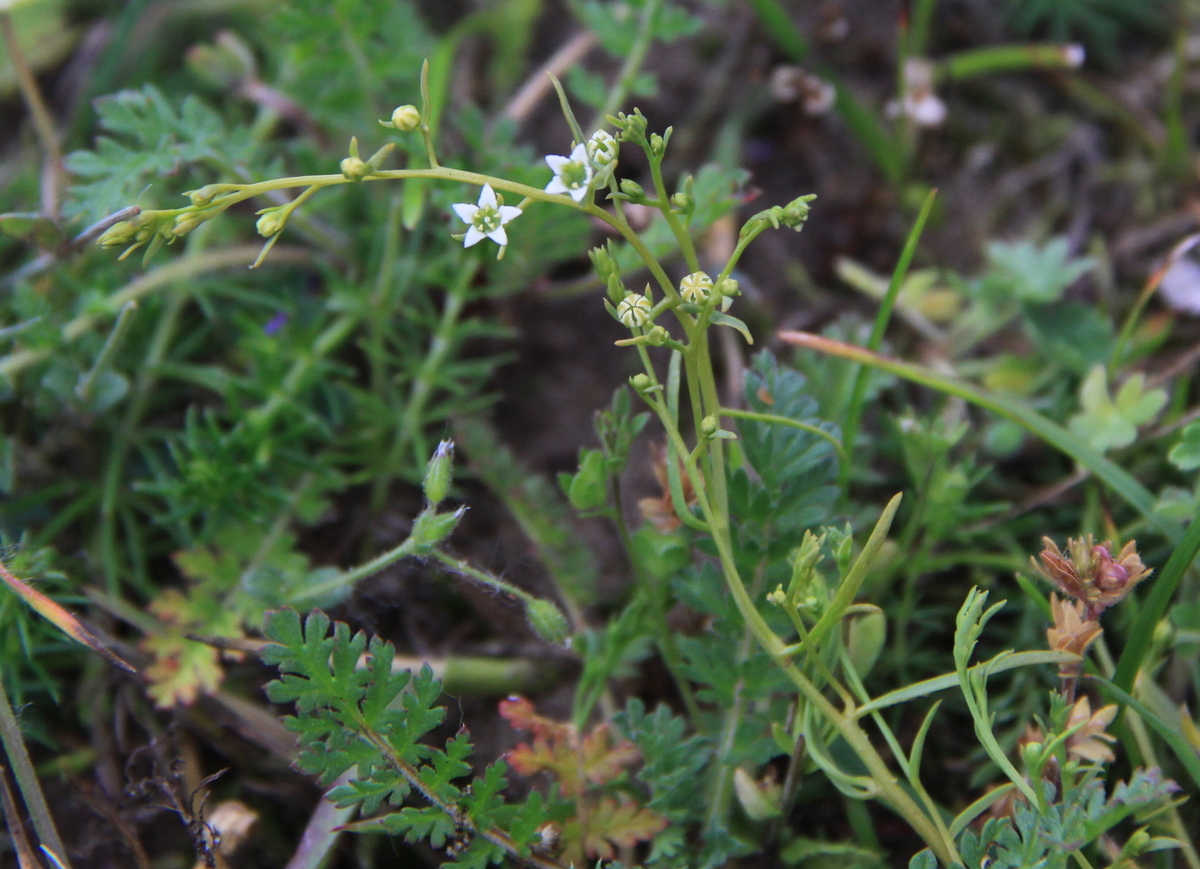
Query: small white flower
pixel 696 287
pixel 486 219
pixel 572 175
pixel 602 148
pixel 634 310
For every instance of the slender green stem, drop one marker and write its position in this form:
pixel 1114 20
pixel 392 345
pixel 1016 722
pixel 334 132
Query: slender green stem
pixel 31 791
pixel 350 577
pixel 857 397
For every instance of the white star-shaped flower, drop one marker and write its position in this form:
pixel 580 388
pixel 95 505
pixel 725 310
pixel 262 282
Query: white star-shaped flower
pixel 486 219
pixel 572 175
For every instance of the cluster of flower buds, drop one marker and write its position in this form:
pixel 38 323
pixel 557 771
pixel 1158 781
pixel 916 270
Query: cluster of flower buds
pixel 793 216
pixel 1090 573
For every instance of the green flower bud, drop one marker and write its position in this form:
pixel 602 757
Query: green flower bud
pixel 657 336
pixel 709 426
pixel 204 195
pixel 657 144
pixel 438 473
pixel 186 222
pixel 864 641
pixel 271 222
pixel 406 118
pixel 354 168
pixel 795 213
pixel 632 127
pixel 633 190
pixel 682 201
pixel 547 621
pixel 728 288
pixel 641 383
pixel 602 262
pixel 119 233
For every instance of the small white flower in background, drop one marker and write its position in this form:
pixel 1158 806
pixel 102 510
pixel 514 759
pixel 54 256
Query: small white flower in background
pixel 921 105
pixel 634 310
pixel 696 288
pixel 487 218
pixel 572 175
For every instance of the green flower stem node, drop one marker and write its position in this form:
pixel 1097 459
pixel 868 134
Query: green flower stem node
pixel 431 527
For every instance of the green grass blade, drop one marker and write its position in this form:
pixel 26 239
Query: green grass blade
pixel 886 305
pixel 1156 605
pixel 1115 477
pixel 1184 751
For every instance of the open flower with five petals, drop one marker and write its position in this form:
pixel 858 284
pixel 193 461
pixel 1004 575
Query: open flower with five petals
pixel 572 175
pixel 487 218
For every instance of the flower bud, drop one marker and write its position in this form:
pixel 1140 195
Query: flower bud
pixel 602 262
pixel 696 288
pixel 728 287
pixel 632 127
pixel 709 426
pixel 657 336
pixel 271 222
pixel 186 222
pixel 438 473
pixel 547 621
pixel 121 232
pixel 602 148
pixel 633 190
pixel 657 144
pixel 641 383
pixel 204 195
pixel 682 202
pixel 354 168
pixel 795 213
pixel 634 310
pixel 406 118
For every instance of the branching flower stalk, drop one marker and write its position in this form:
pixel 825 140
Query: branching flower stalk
pixel 696 304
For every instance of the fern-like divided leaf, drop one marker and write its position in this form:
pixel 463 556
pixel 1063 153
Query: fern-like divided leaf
pixel 147 137
pixel 354 712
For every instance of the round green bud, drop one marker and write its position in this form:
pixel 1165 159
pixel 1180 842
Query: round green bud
pixel 270 223
pixel 728 287
pixel 658 336
pixel 354 168
pixel 633 190
pixel 641 383
pixel 709 426
pixel 547 621
pixel 406 118
pixel 204 195
pixel 682 201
